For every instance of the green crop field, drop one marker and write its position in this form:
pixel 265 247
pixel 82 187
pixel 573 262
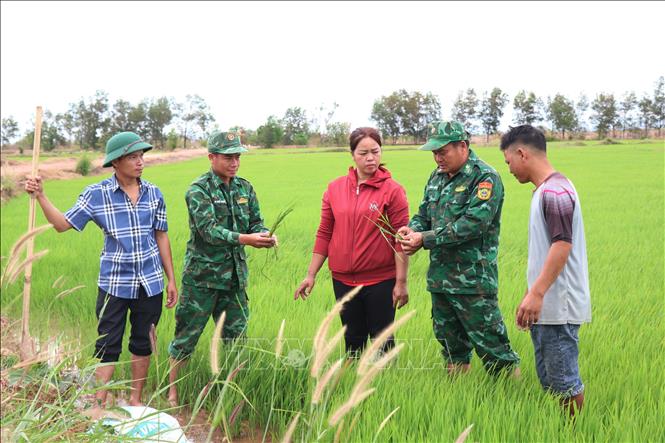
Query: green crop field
pixel 622 353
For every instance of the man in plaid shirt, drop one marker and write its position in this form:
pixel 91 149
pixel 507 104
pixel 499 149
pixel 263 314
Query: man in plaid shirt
pixel 136 253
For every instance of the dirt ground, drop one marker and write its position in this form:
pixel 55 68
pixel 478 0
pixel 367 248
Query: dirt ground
pixel 62 168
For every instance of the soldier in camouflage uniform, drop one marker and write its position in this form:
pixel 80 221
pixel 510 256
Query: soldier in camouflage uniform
pixel 458 221
pixel 224 216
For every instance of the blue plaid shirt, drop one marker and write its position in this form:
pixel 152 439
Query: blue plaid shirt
pixel 130 257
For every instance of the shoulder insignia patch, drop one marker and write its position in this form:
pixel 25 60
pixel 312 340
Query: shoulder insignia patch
pixel 460 188
pixel 484 190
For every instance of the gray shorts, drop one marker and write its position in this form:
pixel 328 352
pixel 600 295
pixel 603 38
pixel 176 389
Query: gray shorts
pixel 556 352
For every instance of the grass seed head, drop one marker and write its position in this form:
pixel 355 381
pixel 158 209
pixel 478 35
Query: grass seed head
pixel 280 340
pixel 292 427
pixel 214 344
pixel 367 356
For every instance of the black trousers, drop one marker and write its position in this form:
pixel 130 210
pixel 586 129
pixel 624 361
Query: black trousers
pixel 112 315
pixel 367 314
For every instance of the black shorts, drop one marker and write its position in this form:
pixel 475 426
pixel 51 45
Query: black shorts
pixel 367 314
pixel 112 315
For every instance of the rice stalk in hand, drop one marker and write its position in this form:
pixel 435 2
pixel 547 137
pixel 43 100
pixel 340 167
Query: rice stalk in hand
pixel 280 218
pixel 278 221
pixel 386 231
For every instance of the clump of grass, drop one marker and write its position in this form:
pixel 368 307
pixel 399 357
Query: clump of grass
pixel 8 187
pixel 84 165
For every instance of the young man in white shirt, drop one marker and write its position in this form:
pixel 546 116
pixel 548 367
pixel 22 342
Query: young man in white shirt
pixel 557 300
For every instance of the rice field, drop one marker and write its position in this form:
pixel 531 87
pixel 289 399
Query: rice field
pixel 622 351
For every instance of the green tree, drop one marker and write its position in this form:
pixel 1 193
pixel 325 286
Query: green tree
pixel 605 117
pixel 270 133
pixel 137 119
pixel 581 108
pixel 172 139
pixel 386 113
pixel 646 115
pixel 405 113
pixel 120 117
pixel 51 135
pixel 159 116
pixel 491 111
pixel 465 109
pixel 626 107
pixel 9 130
pixel 658 107
pixel 337 133
pixel 194 118
pixel 526 107
pixel 295 125
pixel 417 111
pixel 322 119
pixel 561 112
pixel 66 125
pixel 91 120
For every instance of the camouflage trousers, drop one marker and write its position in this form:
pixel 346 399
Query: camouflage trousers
pixel 196 306
pixel 465 322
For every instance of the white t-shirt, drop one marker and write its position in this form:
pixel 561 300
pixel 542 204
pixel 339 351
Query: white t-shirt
pixel 556 215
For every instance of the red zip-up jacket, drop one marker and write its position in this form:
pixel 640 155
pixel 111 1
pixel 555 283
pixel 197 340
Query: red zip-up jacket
pixel 357 252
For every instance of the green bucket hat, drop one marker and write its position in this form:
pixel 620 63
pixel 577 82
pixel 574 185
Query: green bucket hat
pixel 225 143
pixel 443 132
pixel 124 143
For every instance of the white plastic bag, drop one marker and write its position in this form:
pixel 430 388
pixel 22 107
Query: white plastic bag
pixel 148 425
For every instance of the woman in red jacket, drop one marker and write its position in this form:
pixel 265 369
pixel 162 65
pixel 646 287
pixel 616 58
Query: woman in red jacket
pixel 357 252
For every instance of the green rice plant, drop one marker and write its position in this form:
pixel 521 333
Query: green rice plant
pixel 278 221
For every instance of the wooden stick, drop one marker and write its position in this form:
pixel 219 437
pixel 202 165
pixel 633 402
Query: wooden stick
pixel 27 344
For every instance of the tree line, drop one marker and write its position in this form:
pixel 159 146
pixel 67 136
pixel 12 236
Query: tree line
pixel 401 115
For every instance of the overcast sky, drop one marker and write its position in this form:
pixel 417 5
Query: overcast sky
pixel 250 60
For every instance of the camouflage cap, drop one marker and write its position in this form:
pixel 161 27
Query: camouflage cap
pixel 225 143
pixel 443 132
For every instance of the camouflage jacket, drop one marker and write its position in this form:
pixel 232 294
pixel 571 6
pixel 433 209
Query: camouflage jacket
pixel 218 214
pixel 459 218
